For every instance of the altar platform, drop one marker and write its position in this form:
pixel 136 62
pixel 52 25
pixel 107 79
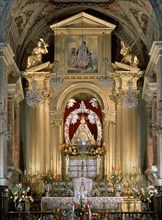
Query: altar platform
pixel 124 204
pixel 52 203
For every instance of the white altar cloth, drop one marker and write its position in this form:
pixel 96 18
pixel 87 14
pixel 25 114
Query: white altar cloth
pixel 51 203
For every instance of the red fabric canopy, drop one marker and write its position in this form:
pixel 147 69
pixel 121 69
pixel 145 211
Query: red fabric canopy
pixel 92 127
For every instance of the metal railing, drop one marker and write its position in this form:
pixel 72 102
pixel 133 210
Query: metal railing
pixel 67 215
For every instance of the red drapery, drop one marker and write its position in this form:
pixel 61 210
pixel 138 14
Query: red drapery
pixel 92 127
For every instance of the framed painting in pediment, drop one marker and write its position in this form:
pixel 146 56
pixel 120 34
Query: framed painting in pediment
pixel 83 54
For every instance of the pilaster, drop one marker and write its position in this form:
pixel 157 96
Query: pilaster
pixel 7 67
pixel 15 96
pixel 109 140
pixel 57 142
pixel 150 158
pixel 38 124
pixel 126 118
pixel 155 67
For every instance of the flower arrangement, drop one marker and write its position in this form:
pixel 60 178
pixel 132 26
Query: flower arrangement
pixel 95 215
pixel 130 180
pixel 69 193
pixel 81 208
pixel 19 194
pixel 68 149
pixel 145 193
pixel 100 215
pixel 97 151
pixel 47 177
pixel 95 192
pixel 116 176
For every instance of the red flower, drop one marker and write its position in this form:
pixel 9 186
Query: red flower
pixel 105 215
pixel 94 215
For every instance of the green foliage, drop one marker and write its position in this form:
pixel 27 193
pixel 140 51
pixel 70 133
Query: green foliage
pixel 20 194
pixel 145 193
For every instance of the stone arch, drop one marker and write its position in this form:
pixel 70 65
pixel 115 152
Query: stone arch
pixel 4 24
pixel 92 89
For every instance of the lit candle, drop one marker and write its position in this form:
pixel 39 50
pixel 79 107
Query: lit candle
pixel 98 164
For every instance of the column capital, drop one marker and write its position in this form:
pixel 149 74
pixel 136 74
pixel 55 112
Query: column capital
pixel 109 116
pixel 47 95
pixel 155 53
pixel 149 89
pixel 7 55
pixel 15 90
pixel 41 78
pixel 56 122
pixel 56 117
pixel 123 76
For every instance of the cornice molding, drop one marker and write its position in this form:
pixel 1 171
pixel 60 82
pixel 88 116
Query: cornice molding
pixel 15 90
pixel 8 56
pixel 149 89
pixel 155 53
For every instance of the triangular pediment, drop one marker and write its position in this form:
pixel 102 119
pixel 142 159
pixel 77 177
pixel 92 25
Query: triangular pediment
pixel 83 20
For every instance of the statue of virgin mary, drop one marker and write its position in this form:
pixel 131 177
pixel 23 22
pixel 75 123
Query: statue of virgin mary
pixel 83 135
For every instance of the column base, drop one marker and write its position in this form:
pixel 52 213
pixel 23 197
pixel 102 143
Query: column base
pixel 13 174
pixel 3 199
pixel 158 201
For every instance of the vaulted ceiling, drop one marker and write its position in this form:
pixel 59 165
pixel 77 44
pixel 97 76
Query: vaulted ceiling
pixel 24 22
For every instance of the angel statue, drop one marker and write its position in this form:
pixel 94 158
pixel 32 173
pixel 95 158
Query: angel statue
pixel 128 58
pixel 36 57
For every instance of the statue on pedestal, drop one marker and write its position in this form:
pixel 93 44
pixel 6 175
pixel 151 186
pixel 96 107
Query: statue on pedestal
pixel 36 57
pixel 128 58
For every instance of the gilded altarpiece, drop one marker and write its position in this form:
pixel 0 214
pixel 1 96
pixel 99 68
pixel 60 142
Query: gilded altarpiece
pixel 45 124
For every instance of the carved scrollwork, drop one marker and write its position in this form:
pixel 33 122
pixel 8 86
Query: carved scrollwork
pixel 56 122
pixel 47 95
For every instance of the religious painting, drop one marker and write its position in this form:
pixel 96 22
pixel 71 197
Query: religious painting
pixel 83 54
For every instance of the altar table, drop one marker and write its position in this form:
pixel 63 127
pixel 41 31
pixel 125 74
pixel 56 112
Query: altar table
pixel 51 203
